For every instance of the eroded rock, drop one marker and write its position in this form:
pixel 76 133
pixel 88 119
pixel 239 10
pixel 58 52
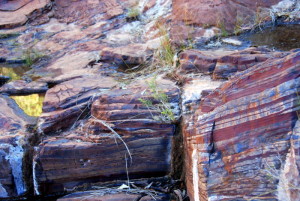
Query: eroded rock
pixel 14 13
pixel 66 102
pixel 243 130
pixel 217 13
pixel 223 64
pixel 120 136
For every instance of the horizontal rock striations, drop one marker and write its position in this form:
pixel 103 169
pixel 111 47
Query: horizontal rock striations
pixel 242 135
pixel 122 136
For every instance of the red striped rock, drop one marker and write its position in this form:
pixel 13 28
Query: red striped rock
pixel 242 131
pixel 223 64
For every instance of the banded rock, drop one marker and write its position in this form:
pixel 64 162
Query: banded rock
pixel 223 64
pixel 120 136
pixel 244 130
pixel 67 102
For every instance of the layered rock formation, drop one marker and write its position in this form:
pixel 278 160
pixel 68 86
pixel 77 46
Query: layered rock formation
pixel 121 137
pixel 100 124
pixel 223 64
pixel 242 136
pixel 15 13
pixel 69 101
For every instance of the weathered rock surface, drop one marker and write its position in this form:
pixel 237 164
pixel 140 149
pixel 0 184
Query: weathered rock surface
pixel 67 67
pixel 126 56
pixel 67 102
pixel 22 87
pixel 223 64
pixel 14 13
pixel 94 152
pixel 217 13
pixel 243 135
pixel 14 126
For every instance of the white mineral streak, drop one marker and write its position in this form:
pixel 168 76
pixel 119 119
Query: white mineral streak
pixel 232 41
pixel 35 183
pixel 3 193
pixel 160 9
pixel 15 158
pixel 192 92
pixel 289 179
pixel 195 175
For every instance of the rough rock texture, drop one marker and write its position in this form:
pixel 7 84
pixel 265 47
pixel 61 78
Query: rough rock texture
pixel 12 119
pixel 127 56
pixel 14 13
pixel 67 67
pixel 244 130
pixel 69 101
pixel 23 87
pixel 223 64
pixel 218 12
pixel 111 196
pixel 13 137
pixel 95 153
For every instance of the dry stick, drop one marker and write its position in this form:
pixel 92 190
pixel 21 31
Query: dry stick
pixel 127 174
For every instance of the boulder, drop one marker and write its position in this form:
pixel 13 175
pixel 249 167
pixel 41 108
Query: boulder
pixel 67 102
pixel 121 138
pixel 240 140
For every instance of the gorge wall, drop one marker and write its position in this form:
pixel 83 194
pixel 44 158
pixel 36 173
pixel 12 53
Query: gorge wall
pixel 223 123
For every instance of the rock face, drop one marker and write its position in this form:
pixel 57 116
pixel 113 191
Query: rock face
pixel 13 148
pixel 222 65
pixel 121 136
pixel 217 13
pixel 242 137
